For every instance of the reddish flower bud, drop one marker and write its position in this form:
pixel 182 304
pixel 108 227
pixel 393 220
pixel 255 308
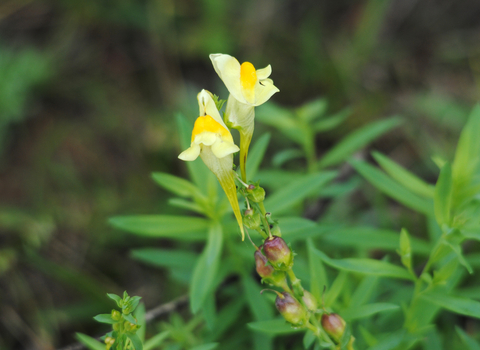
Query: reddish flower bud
pixel 267 272
pixel 278 253
pixel 291 309
pixel 334 325
pixel 261 262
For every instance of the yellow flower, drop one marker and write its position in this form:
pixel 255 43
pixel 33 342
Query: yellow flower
pixel 248 87
pixel 213 142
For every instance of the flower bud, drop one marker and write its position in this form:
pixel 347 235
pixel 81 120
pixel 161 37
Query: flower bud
pixel 333 325
pixel 109 341
pixel 267 272
pixel 256 193
pixel 278 253
pixel 275 230
pixel 251 219
pixel 309 300
pixel 291 309
pixel 116 316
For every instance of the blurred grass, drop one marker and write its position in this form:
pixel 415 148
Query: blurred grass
pixel 88 93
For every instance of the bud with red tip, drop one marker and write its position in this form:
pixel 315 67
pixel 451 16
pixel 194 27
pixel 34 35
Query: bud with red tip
pixel 291 309
pixel 255 193
pixel 278 253
pixel 267 272
pixel 333 325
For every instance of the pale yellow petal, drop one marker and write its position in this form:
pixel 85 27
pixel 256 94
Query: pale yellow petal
pixel 221 148
pixel 228 69
pixel 242 118
pixel 222 168
pixel 264 73
pixel 264 90
pixel 206 137
pixel 190 153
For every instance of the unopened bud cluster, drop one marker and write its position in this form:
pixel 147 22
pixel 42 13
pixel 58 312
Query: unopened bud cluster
pixel 274 261
pixel 124 325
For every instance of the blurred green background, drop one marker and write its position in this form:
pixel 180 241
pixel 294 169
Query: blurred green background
pixel 88 94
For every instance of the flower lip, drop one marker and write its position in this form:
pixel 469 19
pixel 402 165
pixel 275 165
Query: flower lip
pixel 247 84
pixel 208 124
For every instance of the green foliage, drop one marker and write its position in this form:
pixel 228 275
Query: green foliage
pixel 124 325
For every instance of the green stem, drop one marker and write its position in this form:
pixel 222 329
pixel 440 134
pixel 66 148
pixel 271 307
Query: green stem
pixel 263 212
pixel 314 329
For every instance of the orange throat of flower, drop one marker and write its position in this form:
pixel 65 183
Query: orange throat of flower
pixel 248 79
pixel 207 123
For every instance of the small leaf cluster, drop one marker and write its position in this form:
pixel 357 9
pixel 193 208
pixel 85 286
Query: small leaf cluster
pixel 124 324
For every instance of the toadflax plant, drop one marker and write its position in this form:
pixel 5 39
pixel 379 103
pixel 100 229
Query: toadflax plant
pixel 335 300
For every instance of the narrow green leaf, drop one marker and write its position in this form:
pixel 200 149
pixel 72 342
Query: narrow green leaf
pixel 405 249
pixel 390 342
pixel 471 343
pixel 284 156
pixel 312 110
pixel 340 189
pixel 140 316
pixel 310 232
pixel 89 342
pixel 155 341
pixel 357 140
pixel 276 326
pixel 404 177
pixel 115 298
pixel 368 337
pixel 333 121
pixel 432 340
pixel 137 343
pixel 209 311
pixel 176 185
pixel 129 318
pixel 459 305
pixel 318 275
pixel 336 289
pixel 186 204
pixel 457 249
pixel 297 191
pixel 371 238
pixel 291 225
pixel 255 155
pixel 365 266
pixel 466 165
pixel 165 258
pixel 259 305
pixel 165 226
pixel 105 318
pixel 308 339
pixel 227 316
pixel 206 268
pixel 441 275
pixel 346 337
pixel 363 311
pixel 392 188
pixel 282 119
pixel 364 291
pixel 443 195
pixel 208 346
